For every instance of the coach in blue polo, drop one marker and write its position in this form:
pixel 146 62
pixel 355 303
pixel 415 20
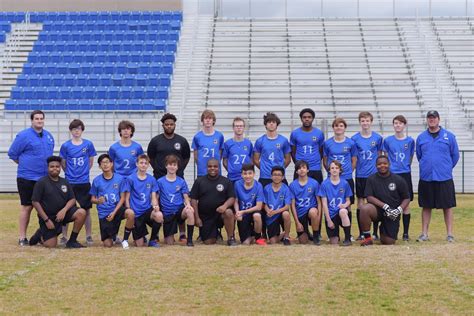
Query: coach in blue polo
pixel 437 152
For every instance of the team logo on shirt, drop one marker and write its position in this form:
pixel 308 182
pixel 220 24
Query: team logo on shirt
pixel 345 149
pixel 310 190
pixel 372 144
pixel 148 185
pixel 315 138
pixel 50 139
pixel 246 148
pixel 405 146
pixel 341 190
pixel 116 185
pixel 282 197
pixel 445 136
pixel 278 145
pixel 220 187
pixel 178 187
pixel 133 152
pixel 215 141
pixel 392 186
pixel 177 146
pixel 64 188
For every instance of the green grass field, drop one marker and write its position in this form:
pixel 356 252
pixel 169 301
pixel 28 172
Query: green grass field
pixel 410 278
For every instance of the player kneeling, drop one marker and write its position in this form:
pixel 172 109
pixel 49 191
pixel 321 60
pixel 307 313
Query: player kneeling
pixel 387 197
pixel 108 193
pixel 277 205
pixel 335 194
pixel 304 203
pixel 173 194
pixel 142 200
pixel 248 204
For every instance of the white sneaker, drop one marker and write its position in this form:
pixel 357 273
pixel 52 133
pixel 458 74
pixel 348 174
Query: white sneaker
pixel 125 244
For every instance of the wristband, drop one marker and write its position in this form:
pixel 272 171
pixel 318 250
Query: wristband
pixel 386 207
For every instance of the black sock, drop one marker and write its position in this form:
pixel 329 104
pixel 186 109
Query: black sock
pixel 406 223
pixel 358 221
pixel 299 234
pixel 155 229
pixel 366 234
pixel 376 228
pixel 315 234
pixel 73 237
pixel 127 233
pixel 258 236
pixel 190 232
pixel 347 232
pixel 349 213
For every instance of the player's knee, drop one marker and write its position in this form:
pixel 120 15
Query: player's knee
pixel 81 213
pixel 257 217
pixel 189 212
pixel 158 216
pixel 286 216
pixel 228 213
pixel 343 212
pixel 129 214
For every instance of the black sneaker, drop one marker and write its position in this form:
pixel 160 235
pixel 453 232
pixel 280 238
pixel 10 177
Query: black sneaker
pixel 190 243
pixel 286 241
pixel 74 244
pixel 231 241
pixel 311 237
pixel 219 236
pixel 36 238
pixel 406 237
pixel 317 241
pixel 346 243
pixel 23 242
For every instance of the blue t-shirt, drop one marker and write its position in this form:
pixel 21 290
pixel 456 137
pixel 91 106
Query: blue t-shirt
pixel 307 146
pixel 400 152
pixel 110 189
pixel 367 152
pixel 237 153
pixel 304 195
pixel 31 150
pixel 342 152
pixel 140 192
pixel 272 153
pixel 207 146
pixel 171 194
pixel 77 160
pixel 248 198
pixel 276 200
pixel 125 158
pixel 335 194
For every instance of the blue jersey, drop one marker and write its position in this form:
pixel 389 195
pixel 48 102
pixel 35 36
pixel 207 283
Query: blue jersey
pixel 125 158
pixel 207 146
pixel 31 150
pixel 140 192
pixel 399 152
pixel 77 160
pixel 171 194
pixel 367 152
pixel 110 189
pixel 437 156
pixel 308 146
pixel 272 153
pixel 304 195
pixel 342 152
pixel 335 194
pixel 237 153
pixel 276 200
pixel 248 198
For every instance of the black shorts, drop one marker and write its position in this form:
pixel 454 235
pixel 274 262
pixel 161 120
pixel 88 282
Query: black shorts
pixel 108 230
pixel 245 227
pixel 305 221
pixel 58 226
pixel 351 185
pixel 360 187
pixel 25 190
pixel 274 228
pixel 436 194
pixel 141 222
pixel 210 224
pixel 407 178
pixel 388 227
pixel 334 232
pixel 81 192
pixel 170 223
pixel 315 174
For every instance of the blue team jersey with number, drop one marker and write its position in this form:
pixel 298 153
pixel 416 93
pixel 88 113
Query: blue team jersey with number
pixel 276 200
pixel 77 160
pixel 399 152
pixel 207 146
pixel 171 194
pixel 110 189
pixel 335 194
pixel 140 192
pixel 248 198
pixel 125 158
pixel 367 152
pixel 237 153
pixel 272 153
pixel 307 146
pixel 304 195
pixel 342 152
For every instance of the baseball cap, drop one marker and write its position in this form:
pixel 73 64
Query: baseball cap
pixel 432 113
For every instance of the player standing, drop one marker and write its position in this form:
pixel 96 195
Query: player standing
pixel 237 151
pixel 124 153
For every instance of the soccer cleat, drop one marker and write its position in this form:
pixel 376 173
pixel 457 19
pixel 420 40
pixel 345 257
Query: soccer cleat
pixel 74 244
pixel 36 238
pixel 361 237
pixel 231 241
pixel 63 241
pixel 286 241
pixel 125 244
pixel 346 243
pixel 422 238
pixel 182 238
pixel 375 237
pixel 23 242
pixel 450 238
pixel 117 240
pixel 367 242
pixel 317 241
pixel 189 243
pixel 154 244
pixel 261 242
pixel 352 238
pixel 406 237
pixel 89 241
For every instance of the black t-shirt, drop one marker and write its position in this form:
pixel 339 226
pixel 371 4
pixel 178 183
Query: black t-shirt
pixel 52 195
pixel 211 193
pixel 160 147
pixel 391 190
